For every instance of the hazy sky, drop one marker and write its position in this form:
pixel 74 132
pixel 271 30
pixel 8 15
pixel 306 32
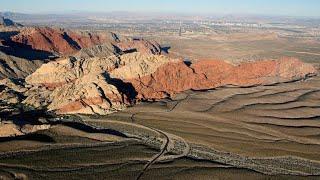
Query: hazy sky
pixel 265 7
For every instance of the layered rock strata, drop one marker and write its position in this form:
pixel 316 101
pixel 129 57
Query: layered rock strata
pixel 173 78
pixel 105 85
pixel 65 42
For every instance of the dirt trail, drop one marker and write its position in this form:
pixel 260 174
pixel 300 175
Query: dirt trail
pixel 156 157
pixel 168 144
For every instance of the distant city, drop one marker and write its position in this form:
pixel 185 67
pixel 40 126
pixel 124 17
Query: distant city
pixel 182 25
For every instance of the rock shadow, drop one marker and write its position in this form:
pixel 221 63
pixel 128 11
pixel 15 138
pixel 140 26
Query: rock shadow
pixel 187 62
pixel 23 116
pixel 165 49
pixel 29 137
pixel 125 88
pixel 7 35
pixel 71 41
pixel 90 129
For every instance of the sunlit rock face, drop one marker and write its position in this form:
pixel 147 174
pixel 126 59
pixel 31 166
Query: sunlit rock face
pixel 57 40
pixel 101 73
pixel 93 85
pixel 106 85
pixel 173 78
pixel 65 42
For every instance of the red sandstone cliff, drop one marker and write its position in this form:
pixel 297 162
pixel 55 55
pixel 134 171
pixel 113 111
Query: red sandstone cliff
pixel 104 85
pixel 65 42
pixel 56 40
pixel 173 78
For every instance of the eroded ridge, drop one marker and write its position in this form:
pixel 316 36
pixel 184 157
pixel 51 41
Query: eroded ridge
pixel 105 85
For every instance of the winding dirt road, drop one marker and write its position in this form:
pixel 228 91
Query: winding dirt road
pixel 156 157
pixel 168 144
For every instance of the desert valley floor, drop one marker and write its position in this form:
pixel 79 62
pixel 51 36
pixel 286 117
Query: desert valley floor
pixel 226 133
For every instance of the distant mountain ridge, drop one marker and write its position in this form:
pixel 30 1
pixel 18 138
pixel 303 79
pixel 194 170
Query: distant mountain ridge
pixel 86 16
pixel 8 22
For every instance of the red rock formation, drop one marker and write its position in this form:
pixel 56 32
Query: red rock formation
pixel 173 78
pixel 88 40
pixel 56 40
pixel 68 42
pixel 140 45
pixel 52 86
pixel 105 85
pixel 80 104
pixel 91 85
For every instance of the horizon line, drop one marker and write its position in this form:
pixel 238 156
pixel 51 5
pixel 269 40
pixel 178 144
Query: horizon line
pixel 66 12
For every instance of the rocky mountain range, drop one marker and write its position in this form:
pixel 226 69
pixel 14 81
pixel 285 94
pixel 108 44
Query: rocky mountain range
pixel 105 85
pixel 65 72
pixel 24 50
